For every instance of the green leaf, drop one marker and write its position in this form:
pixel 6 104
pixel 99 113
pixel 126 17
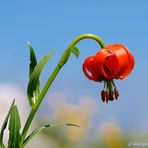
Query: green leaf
pixel 75 50
pixel 5 125
pixel 38 130
pixel 14 128
pixel 36 74
pixel 33 63
pixel 33 60
pixel 33 85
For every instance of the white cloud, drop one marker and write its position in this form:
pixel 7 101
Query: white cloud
pixel 7 93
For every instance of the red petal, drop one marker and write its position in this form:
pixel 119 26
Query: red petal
pixel 89 69
pixel 125 60
pixel 111 62
pixel 107 63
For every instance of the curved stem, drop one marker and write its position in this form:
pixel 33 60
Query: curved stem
pixel 65 58
pixel 61 63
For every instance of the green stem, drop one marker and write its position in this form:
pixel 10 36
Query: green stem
pixel 61 63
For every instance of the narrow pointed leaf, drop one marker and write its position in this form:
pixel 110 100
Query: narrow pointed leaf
pixel 34 78
pixel 14 128
pixel 33 60
pixel 5 125
pixel 33 63
pixel 38 130
pixel 75 50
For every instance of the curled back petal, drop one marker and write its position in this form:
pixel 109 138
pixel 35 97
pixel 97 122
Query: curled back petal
pixel 89 69
pixel 107 64
pixel 125 60
pixel 130 66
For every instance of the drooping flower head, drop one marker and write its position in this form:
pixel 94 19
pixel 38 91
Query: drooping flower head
pixel 112 62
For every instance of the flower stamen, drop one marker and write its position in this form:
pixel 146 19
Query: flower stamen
pixel 109 92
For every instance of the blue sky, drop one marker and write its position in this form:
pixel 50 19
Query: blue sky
pixel 54 24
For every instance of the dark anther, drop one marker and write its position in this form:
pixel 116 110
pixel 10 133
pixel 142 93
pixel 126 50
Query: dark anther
pixel 116 93
pixel 106 96
pixel 103 95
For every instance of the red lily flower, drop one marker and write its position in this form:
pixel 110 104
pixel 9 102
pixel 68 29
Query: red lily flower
pixel 112 62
